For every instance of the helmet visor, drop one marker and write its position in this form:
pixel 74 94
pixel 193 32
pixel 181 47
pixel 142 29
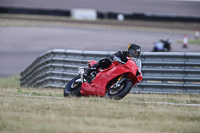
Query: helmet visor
pixel 134 53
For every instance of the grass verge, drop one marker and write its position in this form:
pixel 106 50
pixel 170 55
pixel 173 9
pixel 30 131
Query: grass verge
pixel 191 41
pixel 20 111
pixel 42 114
pixel 194 41
pixel 10 82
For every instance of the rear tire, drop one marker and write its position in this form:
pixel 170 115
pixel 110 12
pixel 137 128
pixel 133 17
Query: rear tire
pixel 121 91
pixel 73 88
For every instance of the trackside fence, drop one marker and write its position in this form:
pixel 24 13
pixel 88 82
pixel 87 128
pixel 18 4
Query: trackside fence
pixel 166 72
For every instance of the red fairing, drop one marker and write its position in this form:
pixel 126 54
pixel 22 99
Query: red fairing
pixel 97 87
pixel 139 78
pixel 91 63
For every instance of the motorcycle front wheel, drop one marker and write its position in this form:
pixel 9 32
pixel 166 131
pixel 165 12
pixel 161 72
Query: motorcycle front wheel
pixel 73 88
pixel 121 91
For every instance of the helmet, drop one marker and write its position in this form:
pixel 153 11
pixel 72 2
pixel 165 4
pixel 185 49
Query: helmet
pixel 169 41
pixel 134 50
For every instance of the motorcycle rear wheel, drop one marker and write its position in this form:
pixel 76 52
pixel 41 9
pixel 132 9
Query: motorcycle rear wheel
pixel 73 88
pixel 121 91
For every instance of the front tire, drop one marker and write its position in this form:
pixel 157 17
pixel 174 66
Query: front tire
pixel 121 91
pixel 73 88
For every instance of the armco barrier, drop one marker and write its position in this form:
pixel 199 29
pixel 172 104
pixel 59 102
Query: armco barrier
pixel 162 72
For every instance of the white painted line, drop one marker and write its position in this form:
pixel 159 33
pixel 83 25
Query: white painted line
pixel 166 103
pixel 50 97
pixel 177 104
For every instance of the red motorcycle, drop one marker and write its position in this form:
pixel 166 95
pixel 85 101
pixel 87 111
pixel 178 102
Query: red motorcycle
pixel 114 82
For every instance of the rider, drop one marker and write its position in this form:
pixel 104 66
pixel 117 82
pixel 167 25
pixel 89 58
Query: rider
pixel 134 50
pixel 162 45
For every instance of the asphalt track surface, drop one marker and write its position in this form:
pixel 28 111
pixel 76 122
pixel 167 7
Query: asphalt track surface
pixel 23 40
pixel 170 7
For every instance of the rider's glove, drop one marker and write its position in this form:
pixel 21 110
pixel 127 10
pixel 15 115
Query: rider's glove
pixel 115 58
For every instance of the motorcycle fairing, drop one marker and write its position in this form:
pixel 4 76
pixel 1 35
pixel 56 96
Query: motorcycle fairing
pixel 97 87
pixel 91 63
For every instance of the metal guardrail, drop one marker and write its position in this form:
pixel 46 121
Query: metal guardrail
pixel 162 72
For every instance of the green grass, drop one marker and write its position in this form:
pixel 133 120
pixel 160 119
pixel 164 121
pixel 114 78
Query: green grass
pixel 10 82
pixel 32 110
pixel 194 41
pixel 191 41
pixel 48 115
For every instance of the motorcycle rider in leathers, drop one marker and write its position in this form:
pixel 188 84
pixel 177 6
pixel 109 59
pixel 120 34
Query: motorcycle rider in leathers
pixel 134 50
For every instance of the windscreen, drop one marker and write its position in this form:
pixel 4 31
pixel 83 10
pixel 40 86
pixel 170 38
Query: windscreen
pixel 138 62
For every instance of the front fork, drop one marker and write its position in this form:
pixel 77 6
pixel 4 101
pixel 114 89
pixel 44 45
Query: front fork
pixel 119 81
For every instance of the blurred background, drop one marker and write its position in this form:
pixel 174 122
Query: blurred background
pixel 29 28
